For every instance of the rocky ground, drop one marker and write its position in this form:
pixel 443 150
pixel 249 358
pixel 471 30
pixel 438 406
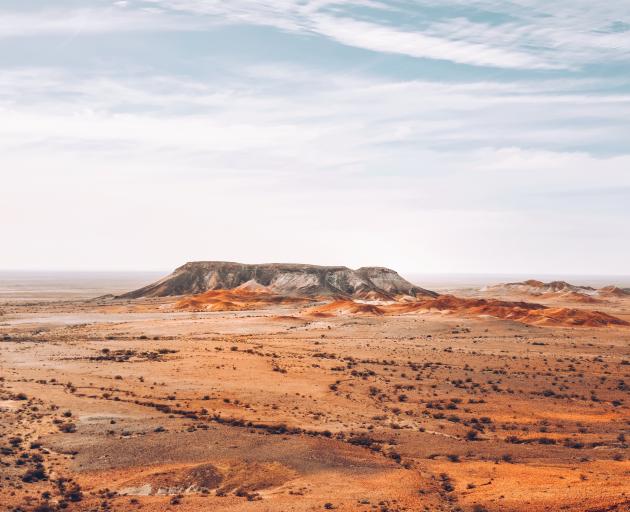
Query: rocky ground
pixel 138 405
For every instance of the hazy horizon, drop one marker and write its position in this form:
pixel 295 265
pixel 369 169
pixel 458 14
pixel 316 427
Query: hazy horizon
pixel 105 271
pixel 121 281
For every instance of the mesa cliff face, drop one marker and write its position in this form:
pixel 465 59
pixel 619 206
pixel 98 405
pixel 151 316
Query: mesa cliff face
pixel 288 279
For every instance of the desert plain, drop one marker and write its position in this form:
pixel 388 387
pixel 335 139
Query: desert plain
pixel 250 401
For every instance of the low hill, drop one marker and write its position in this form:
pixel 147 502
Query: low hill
pixel 534 287
pixel 523 312
pixel 238 299
pixel 558 290
pixel 614 291
pixel 285 279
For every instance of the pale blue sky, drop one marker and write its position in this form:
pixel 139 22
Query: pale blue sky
pixel 428 136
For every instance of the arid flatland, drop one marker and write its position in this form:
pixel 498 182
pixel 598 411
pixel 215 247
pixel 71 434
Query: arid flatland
pixel 239 400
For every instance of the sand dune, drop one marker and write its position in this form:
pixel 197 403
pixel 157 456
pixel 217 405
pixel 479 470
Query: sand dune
pixel 524 312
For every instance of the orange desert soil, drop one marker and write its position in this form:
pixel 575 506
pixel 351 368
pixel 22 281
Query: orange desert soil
pixel 245 400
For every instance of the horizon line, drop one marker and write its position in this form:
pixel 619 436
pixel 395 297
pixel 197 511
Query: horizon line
pixel 413 272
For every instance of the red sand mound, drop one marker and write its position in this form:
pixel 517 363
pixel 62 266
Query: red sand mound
pixel 571 317
pixel 455 304
pixel 614 291
pixel 524 312
pixel 346 307
pixel 234 300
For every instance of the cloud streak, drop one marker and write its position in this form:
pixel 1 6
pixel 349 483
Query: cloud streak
pixel 533 35
pixel 380 38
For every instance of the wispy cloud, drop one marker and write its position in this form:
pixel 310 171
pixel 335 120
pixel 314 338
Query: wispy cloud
pixel 530 34
pixel 308 109
pixel 74 22
pixel 354 125
pixel 381 38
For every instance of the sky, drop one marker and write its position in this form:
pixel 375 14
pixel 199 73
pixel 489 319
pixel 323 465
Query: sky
pixel 476 136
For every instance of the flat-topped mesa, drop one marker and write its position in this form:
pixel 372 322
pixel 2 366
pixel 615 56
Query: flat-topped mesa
pixel 289 279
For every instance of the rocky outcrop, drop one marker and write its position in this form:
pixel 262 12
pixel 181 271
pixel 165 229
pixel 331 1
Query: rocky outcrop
pixel 534 287
pixel 287 279
pixel 614 291
pixel 558 289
